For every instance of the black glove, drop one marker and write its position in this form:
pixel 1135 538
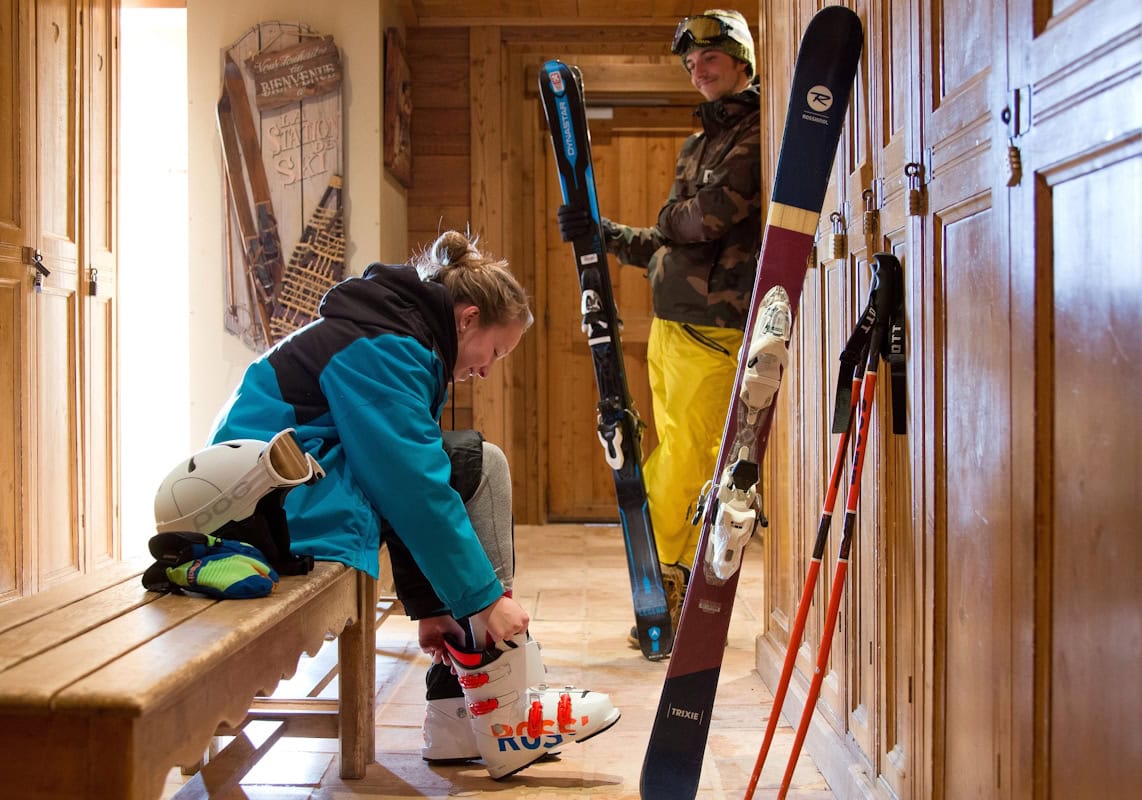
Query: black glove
pixel 574 222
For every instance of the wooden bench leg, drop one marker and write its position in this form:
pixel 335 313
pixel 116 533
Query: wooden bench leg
pixel 356 652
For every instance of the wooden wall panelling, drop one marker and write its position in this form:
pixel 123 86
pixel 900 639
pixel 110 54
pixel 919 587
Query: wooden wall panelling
pixel 486 195
pixel 967 259
pixel 100 410
pixel 439 196
pixel 864 589
pixel 854 741
pixel 520 181
pixel 55 340
pixel 18 201
pixel 891 30
pixel 783 491
pixel 896 648
pixel 1077 292
pixel 59 468
pixel 438 199
pixel 882 637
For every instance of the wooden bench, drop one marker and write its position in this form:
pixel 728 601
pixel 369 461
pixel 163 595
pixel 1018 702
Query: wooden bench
pixel 104 687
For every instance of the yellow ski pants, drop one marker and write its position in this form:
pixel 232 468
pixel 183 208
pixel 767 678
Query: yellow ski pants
pixel 692 369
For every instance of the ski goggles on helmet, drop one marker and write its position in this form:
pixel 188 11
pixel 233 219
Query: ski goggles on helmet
pixel 698 31
pixel 286 463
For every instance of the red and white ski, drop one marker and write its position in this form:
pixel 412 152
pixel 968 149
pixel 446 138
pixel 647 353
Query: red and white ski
pixel 822 81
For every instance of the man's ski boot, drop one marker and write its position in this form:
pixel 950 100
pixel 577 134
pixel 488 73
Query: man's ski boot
pixel 513 718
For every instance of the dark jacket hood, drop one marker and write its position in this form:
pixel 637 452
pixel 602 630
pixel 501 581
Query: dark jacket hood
pixel 393 298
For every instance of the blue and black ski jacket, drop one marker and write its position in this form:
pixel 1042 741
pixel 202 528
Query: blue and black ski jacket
pixel 364 386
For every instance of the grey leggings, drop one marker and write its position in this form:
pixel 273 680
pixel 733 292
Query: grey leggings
pixel 490 510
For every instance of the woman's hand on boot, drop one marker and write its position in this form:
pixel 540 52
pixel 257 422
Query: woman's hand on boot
pixel 503 618
pixel 431 632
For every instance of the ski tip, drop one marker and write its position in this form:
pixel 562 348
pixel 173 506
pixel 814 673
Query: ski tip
pixel 838 23
pixel 836 16
pixel 554 74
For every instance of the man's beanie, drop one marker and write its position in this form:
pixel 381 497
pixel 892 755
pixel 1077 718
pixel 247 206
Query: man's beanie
pixel 736 42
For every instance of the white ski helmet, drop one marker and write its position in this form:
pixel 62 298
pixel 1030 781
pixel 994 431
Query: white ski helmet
pixel 224 482
pixel 235 490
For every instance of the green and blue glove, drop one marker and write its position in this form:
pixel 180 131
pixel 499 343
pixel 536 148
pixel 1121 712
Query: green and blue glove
pixel 219 568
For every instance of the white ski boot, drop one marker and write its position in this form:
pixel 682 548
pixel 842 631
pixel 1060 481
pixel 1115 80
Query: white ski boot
pixel 448 734
pixel 513 724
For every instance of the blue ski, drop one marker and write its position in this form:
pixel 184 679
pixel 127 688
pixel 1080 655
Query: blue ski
pixel 620 431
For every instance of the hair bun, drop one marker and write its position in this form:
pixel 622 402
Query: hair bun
pixel 450 248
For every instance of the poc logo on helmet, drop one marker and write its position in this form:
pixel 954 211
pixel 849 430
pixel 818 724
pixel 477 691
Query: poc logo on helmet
pixel 219 508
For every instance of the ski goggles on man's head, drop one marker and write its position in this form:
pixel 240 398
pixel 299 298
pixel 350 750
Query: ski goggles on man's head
pixel 699 31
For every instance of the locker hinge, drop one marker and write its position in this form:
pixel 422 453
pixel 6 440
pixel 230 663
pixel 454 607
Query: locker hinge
pixel 1019 107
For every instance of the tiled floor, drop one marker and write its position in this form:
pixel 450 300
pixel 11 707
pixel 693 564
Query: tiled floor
pixel 573 581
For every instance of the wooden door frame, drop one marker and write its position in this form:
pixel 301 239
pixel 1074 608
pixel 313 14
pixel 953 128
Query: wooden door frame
pixel 506 149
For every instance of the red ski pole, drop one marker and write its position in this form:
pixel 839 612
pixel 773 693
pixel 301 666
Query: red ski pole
pixel 885 287
pixel 852 361
pixel 807 593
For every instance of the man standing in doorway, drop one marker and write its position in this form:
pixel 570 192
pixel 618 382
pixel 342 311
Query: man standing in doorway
pixel 701 259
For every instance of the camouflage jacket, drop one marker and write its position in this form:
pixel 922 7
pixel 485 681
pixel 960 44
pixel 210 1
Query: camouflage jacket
pixel 701 256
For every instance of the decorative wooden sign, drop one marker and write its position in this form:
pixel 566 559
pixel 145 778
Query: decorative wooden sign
pixel 307 69
pixel 290 194
pixel 398 110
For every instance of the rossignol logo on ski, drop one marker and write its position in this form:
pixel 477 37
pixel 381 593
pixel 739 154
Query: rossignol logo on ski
pixel 819 99
pixel 556 82
pixel 686 714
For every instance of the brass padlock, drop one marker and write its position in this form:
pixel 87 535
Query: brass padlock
pixel 915 197
pixel 871 214
pixel 1014 165
pixel 838 242
pixel 92 282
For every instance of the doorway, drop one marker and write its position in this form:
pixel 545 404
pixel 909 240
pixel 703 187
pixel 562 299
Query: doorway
pixel 633 150
pixel 154 390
